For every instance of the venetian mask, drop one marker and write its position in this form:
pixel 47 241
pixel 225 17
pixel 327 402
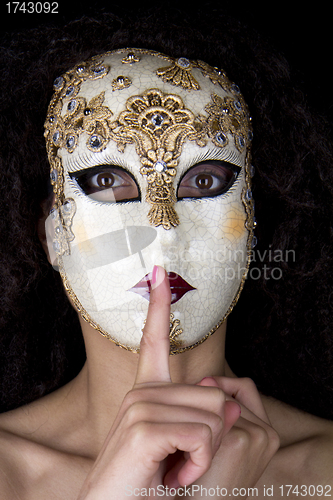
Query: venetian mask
pixel 150 165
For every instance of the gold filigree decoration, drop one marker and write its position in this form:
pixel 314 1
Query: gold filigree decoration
pixel 131 58
pixel 158 124
pixel 227 115
pixel 121 82
pixel 175 331
pixel 179 74
pixel 63 131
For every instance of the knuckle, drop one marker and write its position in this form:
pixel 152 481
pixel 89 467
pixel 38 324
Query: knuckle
pixel 135 412
pixel 274 440
pixel 218 400
pixel 139 432
pixel 205 432
pixel 131 397
pixel 241 439
pixel 260 437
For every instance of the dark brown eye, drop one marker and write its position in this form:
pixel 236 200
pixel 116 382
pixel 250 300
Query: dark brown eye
pixel 107 183
pixel 204 181
pixel 207 179
pixel 105 180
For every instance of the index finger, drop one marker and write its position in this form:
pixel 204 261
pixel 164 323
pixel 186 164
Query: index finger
pixel 155 343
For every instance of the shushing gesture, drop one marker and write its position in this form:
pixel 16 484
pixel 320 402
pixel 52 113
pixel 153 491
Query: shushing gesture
pixel 173 435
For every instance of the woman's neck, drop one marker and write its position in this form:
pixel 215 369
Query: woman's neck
pixel 109 373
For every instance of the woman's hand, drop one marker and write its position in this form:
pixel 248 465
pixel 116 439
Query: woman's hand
pixel 168 434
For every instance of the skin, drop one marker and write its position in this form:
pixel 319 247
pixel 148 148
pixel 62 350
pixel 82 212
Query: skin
pixel 120 419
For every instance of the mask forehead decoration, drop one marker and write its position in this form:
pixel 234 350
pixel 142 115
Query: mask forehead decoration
pixel 160 106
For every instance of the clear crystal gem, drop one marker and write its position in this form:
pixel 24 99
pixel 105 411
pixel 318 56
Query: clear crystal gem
pixel 70 141
pixel 157 120
pixel 238 105
pixel 80 69
pixel 70 91
pixel 183 62
pixel 99 70
pixel 235 89
pixel 56 246
pixel 240 140
pixel 54 176
pixel 58 83
pixel 95 141
pixel 248 194
pixel 160 166
pixel 71 105
pixel 221 138
pixel 53 213
pixel 67 206
pixel 56 137
pixel 252 170
pixel 254 241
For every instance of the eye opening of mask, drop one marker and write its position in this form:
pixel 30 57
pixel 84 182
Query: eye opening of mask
pixel 207 179
pixel 107 184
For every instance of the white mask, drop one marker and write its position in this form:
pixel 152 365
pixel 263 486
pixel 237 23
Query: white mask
pixel 150 164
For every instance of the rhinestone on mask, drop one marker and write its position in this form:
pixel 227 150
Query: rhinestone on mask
pixel 183 62
pixel 240 141
pixel 56 137
pixel 70 141
pixel 99 70
pixel 56 246
pixel 234 88
pixel 254 241
pixel 160 166
pixel 238 105
pixel 248 194
pixel 95 142
pixel 252 170
pixel 221 138
pixel 54 176
pixel 67 206
pixel 71 105
pixel 70 91
pixel 157 120
pixel 54 213
pixel 58 83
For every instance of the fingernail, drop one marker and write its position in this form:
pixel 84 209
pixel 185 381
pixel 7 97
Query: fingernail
pixel 157 276
pixel 154 275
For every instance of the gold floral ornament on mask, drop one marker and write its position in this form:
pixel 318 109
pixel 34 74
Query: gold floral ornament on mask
pixel 158 124
pixel 179 73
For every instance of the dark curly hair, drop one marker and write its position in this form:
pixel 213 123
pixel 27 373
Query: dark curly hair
pixel 280 331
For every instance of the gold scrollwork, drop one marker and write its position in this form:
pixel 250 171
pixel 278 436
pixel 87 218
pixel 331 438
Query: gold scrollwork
pixel 179 74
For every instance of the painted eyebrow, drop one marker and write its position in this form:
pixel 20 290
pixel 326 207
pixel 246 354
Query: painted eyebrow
pixel 212 154
pixel 86 160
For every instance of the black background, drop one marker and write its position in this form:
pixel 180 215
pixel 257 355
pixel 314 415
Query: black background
pixel 302 34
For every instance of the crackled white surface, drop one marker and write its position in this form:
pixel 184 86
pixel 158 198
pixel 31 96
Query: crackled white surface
pixel 208 248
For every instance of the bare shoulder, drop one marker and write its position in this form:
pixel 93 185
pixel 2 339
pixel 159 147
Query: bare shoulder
pixel 33 457
pixel 306 453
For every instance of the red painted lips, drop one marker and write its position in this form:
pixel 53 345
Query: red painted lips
pixel 178 287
